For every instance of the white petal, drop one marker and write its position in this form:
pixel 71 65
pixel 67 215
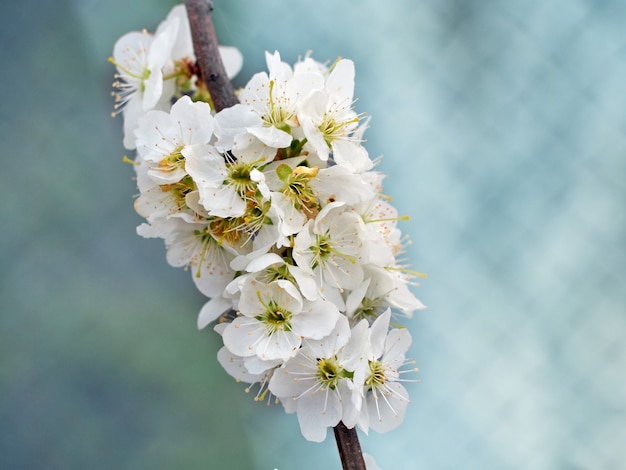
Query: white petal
pixel 351 155
pixel 232 59
pixel 387 410
pixel 295 378
pixel 278 69
pixel 132 112
pixel 251 303
pixel 355 297
pixel 152 127
pixel 222 202
pixel 280 345
pixel 331 344
pixel 255 95
pixel 306 282
pixel 152 88
pixel 161 47
pixel 397 344
pixel 341 184
pixel 402 298
pixel 350 404
pixel 205 165
pixel 316 320
pixel 212 310
pixel 340 82
pixel 194 120
pixel 313 107
pixel 242 336
pixel 214 273
pixel 255 365
pixel 264 261
pixel 353 356
pixel 317 149
pixel 291 219
pixel 301 84
pixel 318 412
pixel 236 367
pixel 231 122
pixel 271 136
pixel 130 52
pixel 183 45
pixel 378 334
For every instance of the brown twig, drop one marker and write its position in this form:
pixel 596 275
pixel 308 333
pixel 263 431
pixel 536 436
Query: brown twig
pixel 223 96
pixel 349 448
pixel 208 55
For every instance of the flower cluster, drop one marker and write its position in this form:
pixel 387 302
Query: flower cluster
pixel 275 208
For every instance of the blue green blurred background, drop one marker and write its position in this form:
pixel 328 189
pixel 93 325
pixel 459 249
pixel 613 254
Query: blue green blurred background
pixel 503 130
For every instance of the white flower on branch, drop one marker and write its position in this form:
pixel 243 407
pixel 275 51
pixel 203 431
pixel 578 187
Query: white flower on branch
pixel 152 68
pixel 274 207
pixel 275 319
pixel 330 123
pixel 386 399
pixel 318 383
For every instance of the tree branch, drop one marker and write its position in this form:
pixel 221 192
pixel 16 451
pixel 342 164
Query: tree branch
pixel 207 54
pixel 349 448
pixel 223 96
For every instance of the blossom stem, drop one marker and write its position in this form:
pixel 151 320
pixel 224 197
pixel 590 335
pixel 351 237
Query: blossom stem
pixel 349 448
pixel 207 54
pixel 223 96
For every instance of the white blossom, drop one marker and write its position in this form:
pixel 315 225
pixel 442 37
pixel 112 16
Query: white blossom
pixel 274 207
pixel 330 123
pixel 166 140
pixel 317 383
pixel 331 248
pixel 386 399
pixel 140 59
pixel 274 319
pixel 149 66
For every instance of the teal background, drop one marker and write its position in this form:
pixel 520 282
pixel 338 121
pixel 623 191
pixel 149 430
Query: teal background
pixel 503 128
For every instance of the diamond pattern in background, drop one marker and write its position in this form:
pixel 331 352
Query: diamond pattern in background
pixel 503 128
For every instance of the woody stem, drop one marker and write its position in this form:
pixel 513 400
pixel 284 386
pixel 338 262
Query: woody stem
pixel 223 96
pixel 207 54
pixel 349 448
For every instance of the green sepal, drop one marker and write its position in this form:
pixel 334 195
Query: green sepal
pixel 284 172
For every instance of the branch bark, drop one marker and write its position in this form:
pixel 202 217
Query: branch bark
pixel 349 448
pixel 207 54
pixel 223 96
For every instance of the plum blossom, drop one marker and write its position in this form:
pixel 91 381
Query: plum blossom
pixel 141 60
pixel 275 319
pixel 318 383
pixel 153 68
pixel 386 399
pixel 329 122
pixel 274 207
pixel 165 140
pixel 331 249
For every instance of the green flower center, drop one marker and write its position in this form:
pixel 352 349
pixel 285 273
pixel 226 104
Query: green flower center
pixel 274 273
pixel 278 116
pixel 296 186
pixel 274 317
pixel 239 177
pixel 322 249
pixel 376 376
pixel 173 161
pixel 329 372
pixel 368 309
pixel 331 129
pixel 179 190
pixel 207 241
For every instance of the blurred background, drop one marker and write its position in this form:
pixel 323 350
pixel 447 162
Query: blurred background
pixel 503 130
